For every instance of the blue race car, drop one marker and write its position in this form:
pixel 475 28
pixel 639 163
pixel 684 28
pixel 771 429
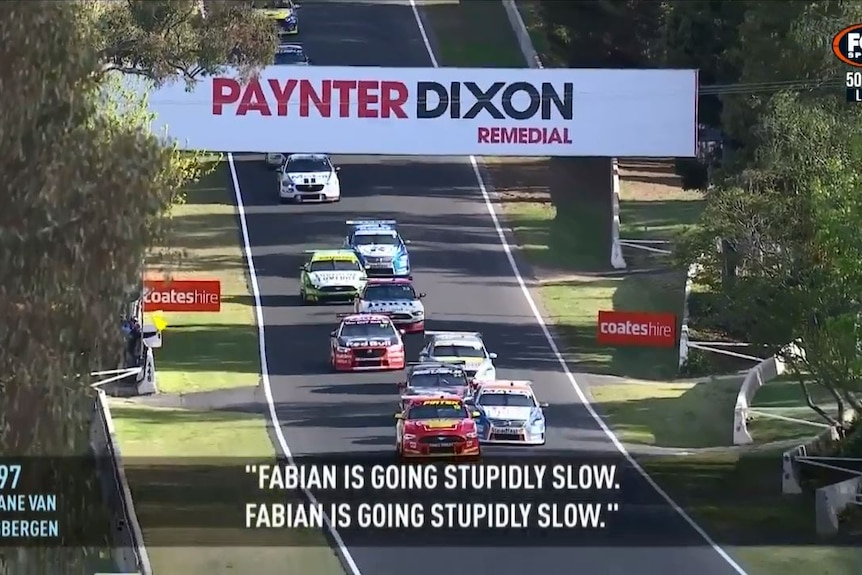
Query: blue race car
pixel 380 247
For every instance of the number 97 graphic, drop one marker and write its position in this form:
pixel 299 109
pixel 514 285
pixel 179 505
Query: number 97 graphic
pixel 9 476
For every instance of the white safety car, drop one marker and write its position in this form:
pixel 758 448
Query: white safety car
pixel 396 298
pixel 308 178
pixel 461 347
pixel 509 413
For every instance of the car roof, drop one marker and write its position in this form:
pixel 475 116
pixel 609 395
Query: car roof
pixel 307 157
pixel 328 255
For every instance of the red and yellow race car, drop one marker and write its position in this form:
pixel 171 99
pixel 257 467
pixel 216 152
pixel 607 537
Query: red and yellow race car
pixel 436 426
pixel 365 342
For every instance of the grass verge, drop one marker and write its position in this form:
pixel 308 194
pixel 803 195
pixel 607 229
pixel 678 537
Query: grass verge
pixel 206 352
pixel 158 442
pixel 560 212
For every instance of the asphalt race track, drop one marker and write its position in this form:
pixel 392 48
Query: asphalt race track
pixel 459 262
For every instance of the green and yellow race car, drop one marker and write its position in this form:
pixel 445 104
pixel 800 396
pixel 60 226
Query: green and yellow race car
pixel 282 12
pixel 331 275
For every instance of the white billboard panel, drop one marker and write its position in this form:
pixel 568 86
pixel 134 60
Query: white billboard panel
pixel 437 111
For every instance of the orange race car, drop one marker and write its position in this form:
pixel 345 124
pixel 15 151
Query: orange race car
pixel 436 426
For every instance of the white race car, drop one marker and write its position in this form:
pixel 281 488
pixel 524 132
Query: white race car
pixel 510 413
pixel 463 348
pixel 308 178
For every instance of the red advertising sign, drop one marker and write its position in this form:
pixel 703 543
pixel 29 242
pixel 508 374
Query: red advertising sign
pixel 636 328
pixel 182 295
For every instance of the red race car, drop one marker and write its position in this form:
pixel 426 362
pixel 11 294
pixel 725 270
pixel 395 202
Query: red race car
pixel 365 342
pixel 436 426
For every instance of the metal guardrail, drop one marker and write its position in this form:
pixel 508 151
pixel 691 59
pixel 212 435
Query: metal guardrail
pixel 129 552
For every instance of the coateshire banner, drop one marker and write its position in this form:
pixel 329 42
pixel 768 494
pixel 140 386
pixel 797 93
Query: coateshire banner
pixel 435 111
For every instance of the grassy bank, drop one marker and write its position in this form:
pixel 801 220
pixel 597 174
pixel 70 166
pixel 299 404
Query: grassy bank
pixel 210 350
pixel 207 352
pixel 560 212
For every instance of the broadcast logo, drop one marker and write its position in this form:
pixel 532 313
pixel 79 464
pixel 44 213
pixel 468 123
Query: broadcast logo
pixel 847 47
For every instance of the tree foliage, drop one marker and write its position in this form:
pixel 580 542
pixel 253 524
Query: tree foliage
pixel 785 205
pixel 88 191
pixel 162 38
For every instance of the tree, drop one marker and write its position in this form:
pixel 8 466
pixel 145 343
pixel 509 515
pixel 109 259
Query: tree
pixel 88 191
pixel 694 32
pixel 162 38
pixel 791 217
pixel 604 33
pixel 782 46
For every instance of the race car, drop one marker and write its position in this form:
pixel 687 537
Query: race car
pixel 282 12
pixel 395 297
pixel 291 55
pixel 366 342
pixel 434 378
pixel 330 275
pixel 510 413
pixel 380 247
pixel 308 178
pixel 462 348
pixel 436 426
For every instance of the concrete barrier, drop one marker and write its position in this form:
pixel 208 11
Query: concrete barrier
pixel 522 34
pixel 129 553
pixel 832 500
pixel 683 327
pixel 755 378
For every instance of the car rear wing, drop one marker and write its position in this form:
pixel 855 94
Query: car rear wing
pixel 357 313
pixel 509 382
pixel 371 222
pixel 454 333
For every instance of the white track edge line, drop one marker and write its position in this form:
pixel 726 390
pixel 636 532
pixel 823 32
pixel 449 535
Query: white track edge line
pixel 489 204
pixel 264 367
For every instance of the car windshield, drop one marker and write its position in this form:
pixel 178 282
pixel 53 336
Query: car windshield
pixel 303 165
pixel 505 400
pixel 334 265
pixel 375 239
pixel 291 57
pixel 449 350
pixel 389 292
pixel 438 380
pixel 369 330
pixel 438 411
